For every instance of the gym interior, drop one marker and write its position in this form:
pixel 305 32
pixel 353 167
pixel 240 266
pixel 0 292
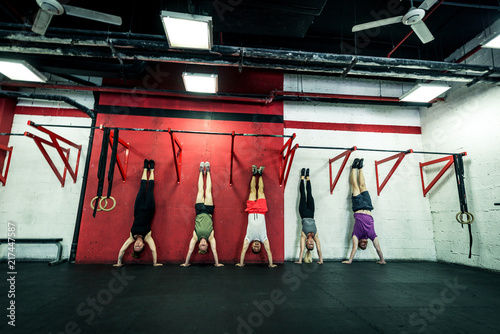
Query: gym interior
pixel 72 152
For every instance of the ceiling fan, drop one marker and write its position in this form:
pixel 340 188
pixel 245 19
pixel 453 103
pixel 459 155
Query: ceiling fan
pixel 49 8
pixel 412 18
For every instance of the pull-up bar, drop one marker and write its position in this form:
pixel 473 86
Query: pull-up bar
pixel 63 152
pixel 12 134
pixel 166 130
pixel 286 158
pixel 399 156
pixel 378 150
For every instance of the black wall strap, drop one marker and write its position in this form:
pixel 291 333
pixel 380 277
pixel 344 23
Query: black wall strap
pixel 101 170
pixel 112 161
pixel 459 174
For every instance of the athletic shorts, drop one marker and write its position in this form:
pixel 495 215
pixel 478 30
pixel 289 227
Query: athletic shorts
pixel 202 208
pixel 362 202
pixel 258 206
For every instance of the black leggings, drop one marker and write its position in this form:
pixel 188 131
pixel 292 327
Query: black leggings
pixel 145 199
pixel 306 205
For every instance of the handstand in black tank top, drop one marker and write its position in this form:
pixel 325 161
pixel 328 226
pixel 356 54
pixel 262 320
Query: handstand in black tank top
pixel 144 210
pixel 309 233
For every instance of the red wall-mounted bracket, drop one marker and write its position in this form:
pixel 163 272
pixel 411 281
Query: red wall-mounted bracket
pixel 8 150
pixel 121 167
pixel 286 160
pixel 438 176
pixel 177 154
pixel 398 156
pixel 346 154
pixel 54 143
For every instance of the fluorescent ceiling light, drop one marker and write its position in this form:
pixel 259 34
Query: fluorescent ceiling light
pixel 492 42
pixel 20 70
pixel 424 92
pixel 187 31
pixel 200 83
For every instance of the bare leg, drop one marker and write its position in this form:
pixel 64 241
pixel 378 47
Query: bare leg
pixel 362 184
pixel 145 174
pixel 208 192
pixel 253 190
pixel 354 183
pixel 152 175
pixel 261 188
pixel 199 196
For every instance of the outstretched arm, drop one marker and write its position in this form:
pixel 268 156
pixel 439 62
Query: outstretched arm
pixel 213 246
pixel 246 243
pixel 302 245
pixel 318 246
pixel 192 243
pixel 354 249
pixel 267 247
pixel 151 243
pixel 127 243
pixel 379 251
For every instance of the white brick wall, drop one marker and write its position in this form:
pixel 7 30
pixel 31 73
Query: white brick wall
pixel 468 121
pixel 33 198
pixel 402 215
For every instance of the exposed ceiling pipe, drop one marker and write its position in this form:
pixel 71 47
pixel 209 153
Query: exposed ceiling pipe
pixel 286 60
pixel 49 97
pixel 275 95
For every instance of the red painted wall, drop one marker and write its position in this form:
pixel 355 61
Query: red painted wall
pixel 172 227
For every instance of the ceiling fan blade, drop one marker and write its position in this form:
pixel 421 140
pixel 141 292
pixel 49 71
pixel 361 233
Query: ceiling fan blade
pixel 375 24
pixel 422 32
pixel 42 22
pixel 92 15
pixel 427 4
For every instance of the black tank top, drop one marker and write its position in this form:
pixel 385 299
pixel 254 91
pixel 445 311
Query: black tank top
pixel 142 223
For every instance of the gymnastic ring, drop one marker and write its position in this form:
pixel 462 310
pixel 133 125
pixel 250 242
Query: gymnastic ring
pixel 92 203
pixel 470 218
pixel 106 203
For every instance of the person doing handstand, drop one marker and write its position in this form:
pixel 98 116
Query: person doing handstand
pixel 144 211
pixel 203 225
pixel 309 233
pixel 364 228
pixel 256 228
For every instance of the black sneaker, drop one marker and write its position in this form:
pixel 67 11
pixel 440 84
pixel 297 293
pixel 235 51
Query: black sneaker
pixel 303 172
pixel 360 163
pixel 146 163
pixel 307 172
pixel 355 163
pixel 151 164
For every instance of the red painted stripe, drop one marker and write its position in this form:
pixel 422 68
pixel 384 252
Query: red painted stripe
pixel 416 130
pixel 59 112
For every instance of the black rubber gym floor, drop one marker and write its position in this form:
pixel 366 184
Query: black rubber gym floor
pixel 364 297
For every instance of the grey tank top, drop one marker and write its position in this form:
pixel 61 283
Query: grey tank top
pixel 308 226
